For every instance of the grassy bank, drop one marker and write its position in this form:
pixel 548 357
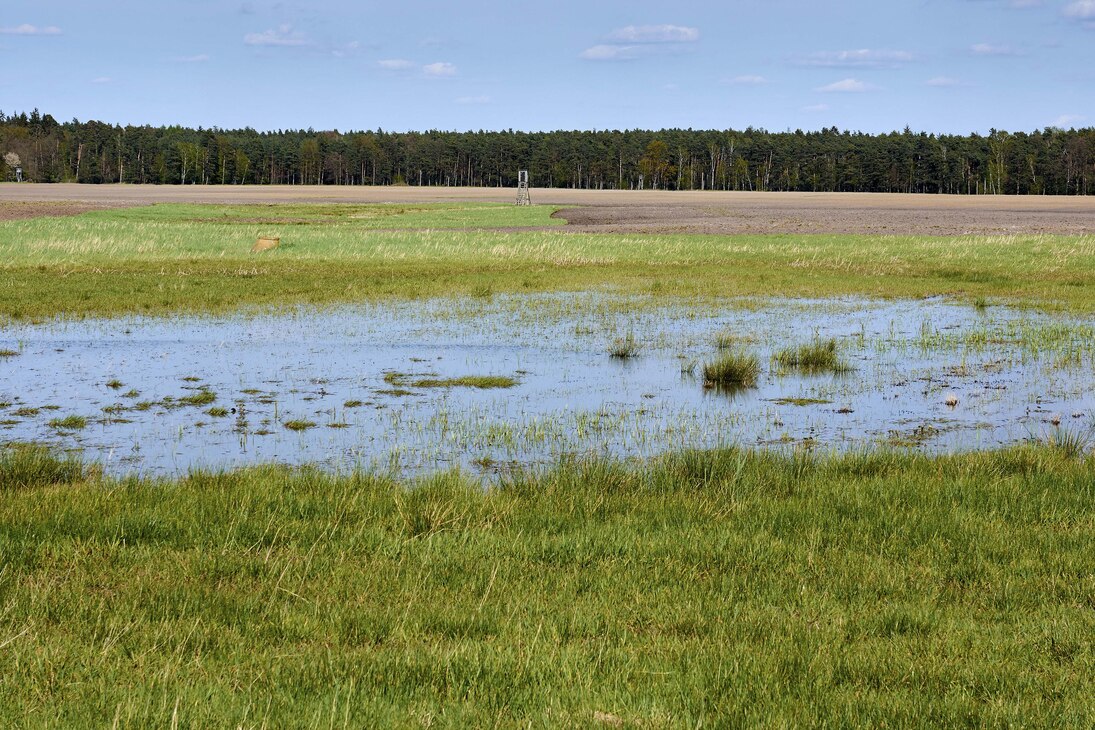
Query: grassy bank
pixel 172 258
pixel 717 588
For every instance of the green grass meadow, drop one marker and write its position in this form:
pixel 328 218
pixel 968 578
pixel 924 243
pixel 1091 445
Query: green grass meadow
pixel 711 589
pixel 196 258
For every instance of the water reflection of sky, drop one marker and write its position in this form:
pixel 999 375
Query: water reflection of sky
pixel 1014 373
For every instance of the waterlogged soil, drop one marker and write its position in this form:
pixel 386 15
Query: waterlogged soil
pixel 392 387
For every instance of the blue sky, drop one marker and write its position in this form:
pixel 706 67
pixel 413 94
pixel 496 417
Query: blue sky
pixel 934 65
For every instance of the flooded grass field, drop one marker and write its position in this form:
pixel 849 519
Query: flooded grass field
pixel 559 477
pixel 495 382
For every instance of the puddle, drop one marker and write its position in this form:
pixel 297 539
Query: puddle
pixel 393 386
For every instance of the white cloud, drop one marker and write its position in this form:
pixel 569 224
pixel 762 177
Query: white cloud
pixel 441 69
pixel 102 80
pixel 396 64
pixel 1067 121
pixel 635 41
pixel 990 49
pixel 859 58
pixel 283 36
pixel 1081 10
pixel 28 29
pixel 609 53
pixel 473 100
pixel 846 86
pixel 816 108
pixel 655 34
pixel 347 50
pixel 942 82
pixel 748 80
pixel 200 58
pixel 438 70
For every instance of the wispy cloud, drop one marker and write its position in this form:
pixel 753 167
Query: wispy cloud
pixel 28 29
pixel 605 52
pixel 747 80
pixel 942 82
pixel 1066 121
pixel 992 49
pixel 200 58
pixel 637 41
pixel 284 36
pixel 1082 11
pixel 858 58
pixel 473 100
pixel 396 64
pixel 348 49
pixel 654 34
pixel 845 86
pixel 440 69
pixel 101 80
pixel 436 70
pixel 1020 4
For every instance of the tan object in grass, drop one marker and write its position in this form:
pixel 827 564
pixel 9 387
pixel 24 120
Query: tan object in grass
pixel 265 244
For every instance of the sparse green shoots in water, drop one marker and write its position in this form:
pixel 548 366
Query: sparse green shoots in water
pixel 726 340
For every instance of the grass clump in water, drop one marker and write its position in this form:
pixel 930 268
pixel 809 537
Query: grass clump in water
pixel 202 398
pixel 467 381
pixel 801 401
pixel 1071 444
pixel 69 423
pixel 299 424
pixel 217 412
pixel 624 348
pixel 819 356
pixel 734 369
pixel 10 353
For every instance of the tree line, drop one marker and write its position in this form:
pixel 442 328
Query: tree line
pixel 1048 162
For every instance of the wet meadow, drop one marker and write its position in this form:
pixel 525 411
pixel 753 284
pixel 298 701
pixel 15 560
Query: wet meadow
pixel 451 465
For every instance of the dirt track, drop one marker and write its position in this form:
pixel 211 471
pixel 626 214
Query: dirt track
pixel 628 211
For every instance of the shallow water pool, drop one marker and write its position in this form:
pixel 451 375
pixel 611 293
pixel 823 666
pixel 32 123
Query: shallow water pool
pixel 166 396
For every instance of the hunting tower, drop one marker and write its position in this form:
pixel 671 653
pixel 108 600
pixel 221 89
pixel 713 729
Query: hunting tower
pixel 522 188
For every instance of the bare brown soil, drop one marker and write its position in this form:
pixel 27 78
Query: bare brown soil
pixel 613 211
pixel 21 209
pixel 834 218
